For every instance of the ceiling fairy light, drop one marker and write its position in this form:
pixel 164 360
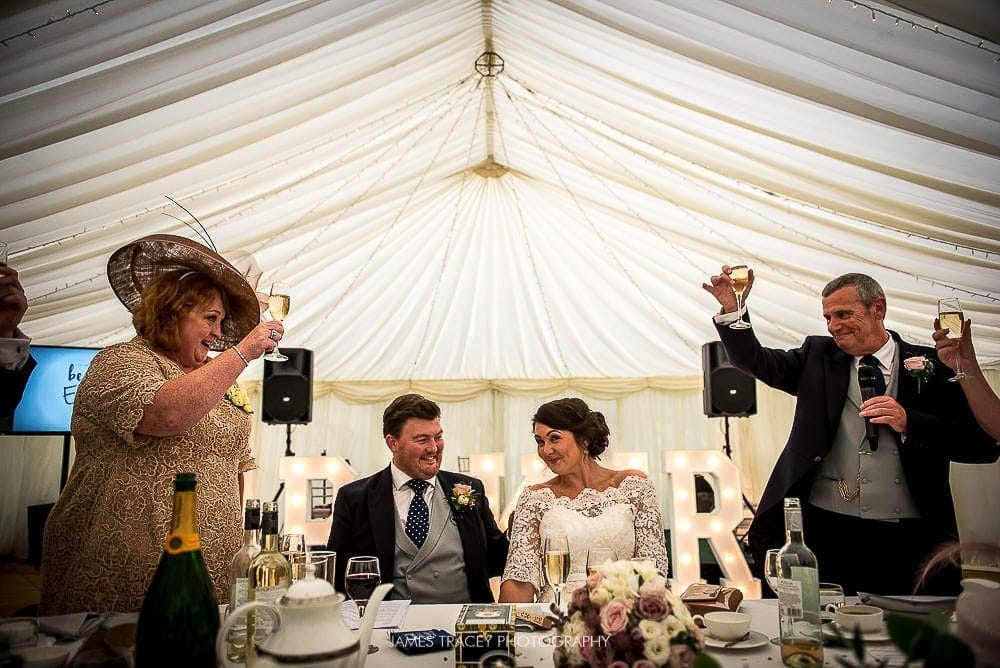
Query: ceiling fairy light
pixel 489 64
pixel 934 28
pixel 30 32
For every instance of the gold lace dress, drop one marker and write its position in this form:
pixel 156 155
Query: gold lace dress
pixel 105 534
pixel 625 518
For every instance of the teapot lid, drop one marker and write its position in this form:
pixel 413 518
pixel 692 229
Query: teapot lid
pixel 310 591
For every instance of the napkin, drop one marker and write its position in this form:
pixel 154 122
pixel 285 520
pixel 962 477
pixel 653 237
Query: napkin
pixel 77 625
pixel 920 605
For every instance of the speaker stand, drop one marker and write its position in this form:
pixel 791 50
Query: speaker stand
pixel 288 440
pixel 726 448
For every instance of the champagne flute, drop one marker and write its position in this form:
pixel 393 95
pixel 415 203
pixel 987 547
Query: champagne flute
pixel 596 556
pixel 361 578
pixel 3 253
pixel 740 274
pixel 950 315
pixel 555 565
pixel 278 303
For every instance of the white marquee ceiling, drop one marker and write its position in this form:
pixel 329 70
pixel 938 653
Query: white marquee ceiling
pixel 556 220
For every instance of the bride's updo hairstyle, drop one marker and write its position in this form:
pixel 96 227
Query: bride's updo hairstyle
pixel 571 414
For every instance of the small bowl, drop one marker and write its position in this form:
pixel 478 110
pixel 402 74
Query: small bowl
pixel 43 656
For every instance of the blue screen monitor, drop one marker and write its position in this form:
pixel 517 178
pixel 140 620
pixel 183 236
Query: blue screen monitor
pixel 47 404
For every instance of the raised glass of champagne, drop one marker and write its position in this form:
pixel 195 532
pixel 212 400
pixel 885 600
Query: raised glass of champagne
pixel 278 303
pixel 740 274
pixel 950 316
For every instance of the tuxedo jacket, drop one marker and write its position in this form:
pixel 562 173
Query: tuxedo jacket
pixel 12 383
pixel 364 522
pixel 940 426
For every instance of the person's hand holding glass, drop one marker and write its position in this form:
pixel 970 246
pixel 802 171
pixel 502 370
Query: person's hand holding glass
pixel 278 302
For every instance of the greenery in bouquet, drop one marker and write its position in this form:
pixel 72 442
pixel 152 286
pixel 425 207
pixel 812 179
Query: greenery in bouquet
pixel 626 617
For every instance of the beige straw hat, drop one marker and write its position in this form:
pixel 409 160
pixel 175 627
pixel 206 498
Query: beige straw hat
pixel 133 266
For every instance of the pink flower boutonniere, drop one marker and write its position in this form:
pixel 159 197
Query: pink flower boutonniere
pixel 920 368
pixel 463 497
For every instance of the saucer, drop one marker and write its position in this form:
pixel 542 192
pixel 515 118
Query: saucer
pixel 755 639
pixel 830 631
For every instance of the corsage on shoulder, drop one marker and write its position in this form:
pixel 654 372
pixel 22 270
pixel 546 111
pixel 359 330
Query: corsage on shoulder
pixel 463 497
pixel 238 397
pixel 920 368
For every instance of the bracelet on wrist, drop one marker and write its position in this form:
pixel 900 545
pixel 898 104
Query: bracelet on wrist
pixel 236 350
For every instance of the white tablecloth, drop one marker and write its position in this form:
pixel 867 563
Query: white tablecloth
pixel 535 649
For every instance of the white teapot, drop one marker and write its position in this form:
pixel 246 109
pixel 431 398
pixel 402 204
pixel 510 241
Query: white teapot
pixel 308 629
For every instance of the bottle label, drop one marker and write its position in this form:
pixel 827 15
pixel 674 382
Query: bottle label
pixel 239 593
pixel 176 543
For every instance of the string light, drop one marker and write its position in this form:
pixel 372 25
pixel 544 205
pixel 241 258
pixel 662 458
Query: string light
pixel 935 28
pixel 30 32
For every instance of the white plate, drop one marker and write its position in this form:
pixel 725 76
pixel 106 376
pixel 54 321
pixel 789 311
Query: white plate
pixel 830 631
pixel 754 640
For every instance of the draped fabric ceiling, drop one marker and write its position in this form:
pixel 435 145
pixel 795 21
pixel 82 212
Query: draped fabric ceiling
pixel 544 228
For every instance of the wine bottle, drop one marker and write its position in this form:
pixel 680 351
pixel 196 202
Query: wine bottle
pixel 179 617
pixel 799 623
pixel 269 574
pixel 238 587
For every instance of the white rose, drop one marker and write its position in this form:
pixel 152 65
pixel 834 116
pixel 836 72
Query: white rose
pixel 651 629
pixel 657 650
pixel 600 596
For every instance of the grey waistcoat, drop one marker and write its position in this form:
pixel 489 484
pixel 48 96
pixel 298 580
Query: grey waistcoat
pixel 884 493
pixel 436 572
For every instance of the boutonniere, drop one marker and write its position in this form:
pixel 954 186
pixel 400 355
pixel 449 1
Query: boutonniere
pixel 920 368
pixel 463 497
pixel 237 397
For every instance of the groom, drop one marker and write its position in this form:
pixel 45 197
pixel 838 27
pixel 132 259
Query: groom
pixel 429 551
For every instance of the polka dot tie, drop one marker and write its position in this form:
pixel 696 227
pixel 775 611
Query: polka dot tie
pixel 418 517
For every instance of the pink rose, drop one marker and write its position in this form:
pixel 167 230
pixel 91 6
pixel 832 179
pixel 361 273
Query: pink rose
pixel 651 607
pixel 915 363
pixel 594 579
pixel 461 489
pixel 656 587
pixel 614 616
pixel 618 664
pixel 643 663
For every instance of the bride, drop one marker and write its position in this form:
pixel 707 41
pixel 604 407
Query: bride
pixel 589 504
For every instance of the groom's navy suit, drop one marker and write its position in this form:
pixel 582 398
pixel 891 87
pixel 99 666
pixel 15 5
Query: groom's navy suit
pixel 364 522
pixel 940 429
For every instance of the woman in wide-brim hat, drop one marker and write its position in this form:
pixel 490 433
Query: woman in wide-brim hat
pixel 147 409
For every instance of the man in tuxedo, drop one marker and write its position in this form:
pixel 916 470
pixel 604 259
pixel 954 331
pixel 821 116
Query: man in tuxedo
pixel 16 363
pixel 431 550
pixel 874 509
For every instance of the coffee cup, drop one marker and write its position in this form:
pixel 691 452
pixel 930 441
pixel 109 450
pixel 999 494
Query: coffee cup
pixel 725 625
pixel 864 618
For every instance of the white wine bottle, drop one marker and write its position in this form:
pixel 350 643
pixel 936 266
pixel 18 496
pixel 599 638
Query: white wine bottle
pixel 799 622
pixel 238 583
pixel 179 617
pixel 269 574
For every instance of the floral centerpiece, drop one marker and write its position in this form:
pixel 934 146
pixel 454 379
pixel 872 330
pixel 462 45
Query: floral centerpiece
pixel 626 617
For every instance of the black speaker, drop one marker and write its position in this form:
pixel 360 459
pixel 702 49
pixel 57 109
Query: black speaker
pixel 728 391
pixel 287 394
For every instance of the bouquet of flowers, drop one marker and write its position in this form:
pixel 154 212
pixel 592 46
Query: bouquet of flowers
pixel 625 617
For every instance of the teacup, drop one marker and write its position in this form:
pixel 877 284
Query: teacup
pixel 725 625
pixel 865 618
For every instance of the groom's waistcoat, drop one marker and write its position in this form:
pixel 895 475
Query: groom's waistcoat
pixel 434 573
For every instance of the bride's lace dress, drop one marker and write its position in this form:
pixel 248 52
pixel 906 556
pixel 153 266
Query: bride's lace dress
pixel 625 518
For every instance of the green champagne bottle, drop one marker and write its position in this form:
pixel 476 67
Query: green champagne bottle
pixel 179 617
